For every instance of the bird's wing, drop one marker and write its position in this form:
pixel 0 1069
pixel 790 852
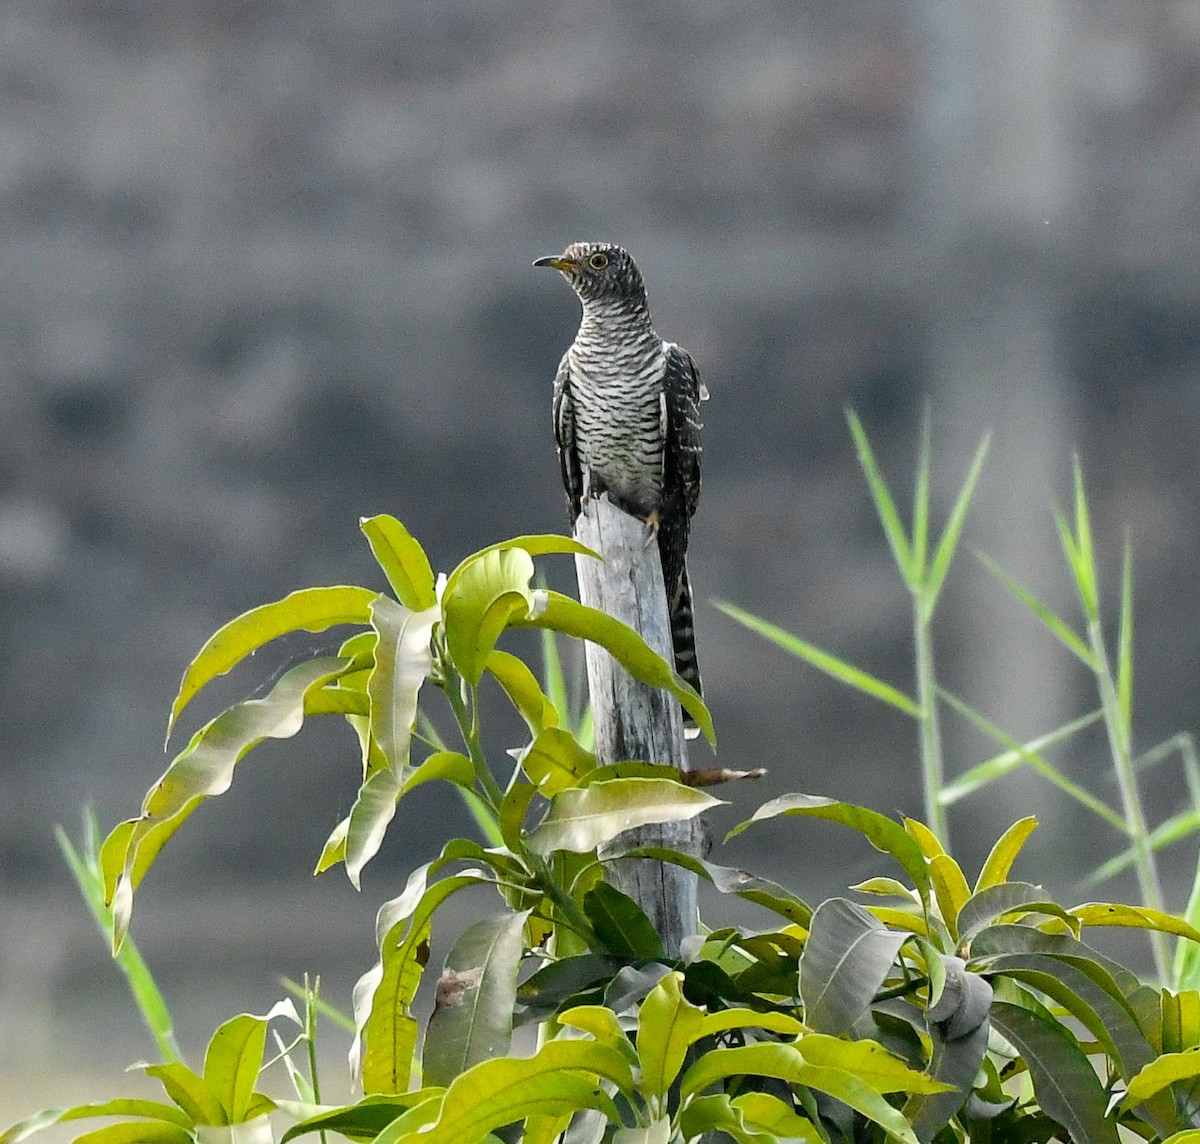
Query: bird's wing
pixel 564 435
pixel 683 391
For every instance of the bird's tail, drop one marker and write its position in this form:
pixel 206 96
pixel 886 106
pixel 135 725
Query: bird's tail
pixel 683 638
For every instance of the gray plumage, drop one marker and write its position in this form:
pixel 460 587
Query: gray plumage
pixel 627 418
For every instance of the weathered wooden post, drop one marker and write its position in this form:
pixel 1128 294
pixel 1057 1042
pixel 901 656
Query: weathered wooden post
pixel 632 719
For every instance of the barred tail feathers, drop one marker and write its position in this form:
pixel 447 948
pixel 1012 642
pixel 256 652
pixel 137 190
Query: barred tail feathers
pixel 683 638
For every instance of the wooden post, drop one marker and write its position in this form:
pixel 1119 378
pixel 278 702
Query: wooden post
pixel 632 719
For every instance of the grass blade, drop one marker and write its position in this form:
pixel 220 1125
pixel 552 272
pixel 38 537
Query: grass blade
pixel 1057 627
pixel 838 668
pixel 1125 642
pixel 948 543
pixel 885 506
pixel 920 528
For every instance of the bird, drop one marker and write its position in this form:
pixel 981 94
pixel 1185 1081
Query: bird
pixel 627 421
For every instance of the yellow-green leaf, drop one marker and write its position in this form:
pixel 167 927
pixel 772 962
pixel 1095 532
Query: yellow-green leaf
pixel 402 559
pixel 1000 860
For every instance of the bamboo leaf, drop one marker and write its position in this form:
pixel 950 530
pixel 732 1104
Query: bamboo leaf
pixel 403 561
pixel 839 669
pixel 312 610
pixel 948 543
pixel 885 506
pixel 1061 631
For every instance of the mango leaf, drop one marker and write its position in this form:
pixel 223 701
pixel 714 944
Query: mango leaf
pixel 361 1121
pixel 845 961
pixel 620 924
pixel 312 609
pixel 951 890
pixel 831 665
pixel 995 901
pixel 1002 856
pixel 717 1115
pixel 383 996
pixel 142 1132
pixel 580 819
pixel 955 1062
pixel 204 769
pixel 602 1023
pixel 523 690
pixel 403 561
pixel 150 1109
pixel 555 761
pixel 234 1058
pixel 1132 917
pixel 884 834
pixel 564 1076
pixel 668 1025
pixel 560 613
pixel 867 1060
pixel 1063 1078
pixel 556 982
pixel 189 1090
pixel 487 593
pixel 403 660
pixel 540 544
pixel 1158 1073
pixel 787 1063
pixel 658 1132
pixel 476 995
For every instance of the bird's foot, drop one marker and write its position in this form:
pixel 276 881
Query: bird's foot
pixel 652 524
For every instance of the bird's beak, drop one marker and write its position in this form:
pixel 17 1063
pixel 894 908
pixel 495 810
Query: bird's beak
pixel 557 262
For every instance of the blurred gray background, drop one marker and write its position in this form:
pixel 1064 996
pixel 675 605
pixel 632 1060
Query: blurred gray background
pixel 266 270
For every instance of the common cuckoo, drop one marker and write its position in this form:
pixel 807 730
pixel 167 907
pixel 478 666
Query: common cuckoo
pixel 627 419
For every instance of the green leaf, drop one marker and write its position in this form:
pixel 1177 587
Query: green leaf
pixel 560 613
pixel 1083 564
pixel 564 1076
pixel 1063 1079
pixel 920 512
pixel 786 1063
pixel 822 660
pixel 867 1060
pixel 944 553
pixel 1132 917
pixel 884 834
pixel 555 761
pixel 845 961
pixel 955 1062
pixel 600 1022
pixel 988 905
pixel 1002 856
pixel 885 506
pixel 620 924
pixel 668 1025
pixel 542 544
pixel 1164 1070
pixel 139 1132
pixel 403 561
pixel 204 769
pixel 580 819
pixel 476 995
pixel 951 889
pixel 1054 625
pixel 234 1058
pixel 150 1109
pixel 487 593
pixel 190 1092
pixel 361 1121
pixel 312 610
pixel 521 687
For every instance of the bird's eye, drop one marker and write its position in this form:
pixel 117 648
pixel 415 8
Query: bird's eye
pixel 598 261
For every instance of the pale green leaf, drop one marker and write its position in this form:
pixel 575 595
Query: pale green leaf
pixel 560 613
pixel 521 687
pixel 542 544
pixel 49 1117
pixel 555 761
pixel 476 996
pixel 839 669
pixel 140 1132
pixel 403 561
pixel 1162 1071
pixel 867 1060
pixel 668 1025
pixel 486 594
pixel 189 1090
pixel 234 1057
pixel 1002 856
pixel 580 819
pixel 312 610
pixel 1132 917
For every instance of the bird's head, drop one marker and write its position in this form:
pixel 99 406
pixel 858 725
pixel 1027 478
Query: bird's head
pixel 599 271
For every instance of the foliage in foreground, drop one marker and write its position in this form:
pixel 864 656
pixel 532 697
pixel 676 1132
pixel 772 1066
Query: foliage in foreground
pixel 935 1008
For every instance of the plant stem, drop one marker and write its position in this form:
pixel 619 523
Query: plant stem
pixel 932 768
pixel 1120 744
